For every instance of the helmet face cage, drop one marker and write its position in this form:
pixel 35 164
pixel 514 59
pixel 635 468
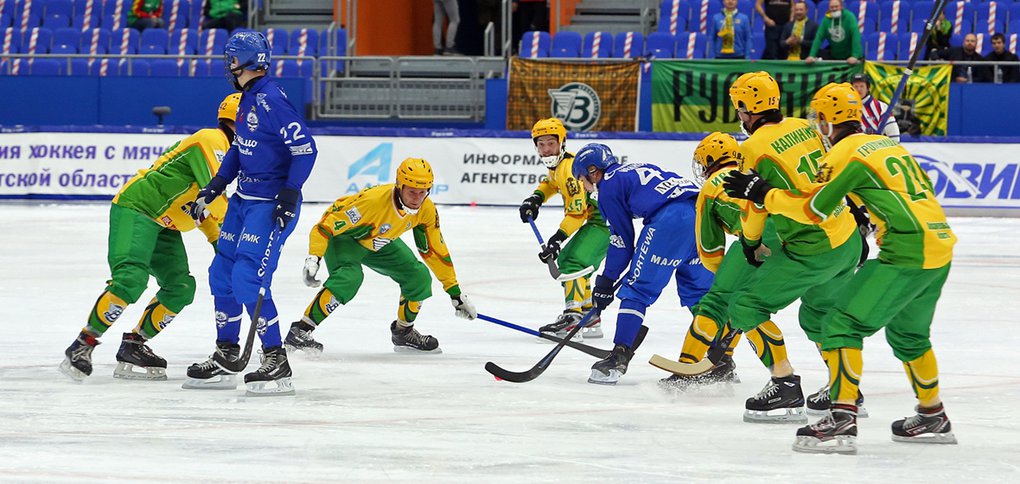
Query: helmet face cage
pixel 550 127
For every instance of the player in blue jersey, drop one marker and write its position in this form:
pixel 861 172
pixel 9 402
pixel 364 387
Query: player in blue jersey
pixel 271 157
pixel 665 247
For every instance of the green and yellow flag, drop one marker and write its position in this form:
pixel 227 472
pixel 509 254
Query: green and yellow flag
pixel 927 87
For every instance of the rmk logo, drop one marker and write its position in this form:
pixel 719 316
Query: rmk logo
pixel 577 105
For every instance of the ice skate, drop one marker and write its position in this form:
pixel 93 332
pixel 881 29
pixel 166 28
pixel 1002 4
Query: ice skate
pixel 835 433
pixel 273 377
pixel 300 338
pixel 208 375
pixel 781 401
pixel 134 353
pixel 929 426
pixel 592 330
pixel 408 339
pixel 609 370
pixel 77 363
pixel 563 325
pixel 818 403
pixel 723 372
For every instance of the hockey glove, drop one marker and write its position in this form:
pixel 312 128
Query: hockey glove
pixel 529 208
pixel 602 293
pixel 206 195
pixel 311 269
pixel 286 207
pixel 552 247
pixel 755 252
pixel 748 186
pixel 463 307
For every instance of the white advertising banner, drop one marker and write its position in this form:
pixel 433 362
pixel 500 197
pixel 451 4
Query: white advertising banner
pixel 484 171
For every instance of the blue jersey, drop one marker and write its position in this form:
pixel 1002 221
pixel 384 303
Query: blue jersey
pixel 636 190
pixel 272 149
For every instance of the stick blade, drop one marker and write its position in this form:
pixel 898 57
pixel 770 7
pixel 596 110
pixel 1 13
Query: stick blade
pixel 511 376
pixel 678 368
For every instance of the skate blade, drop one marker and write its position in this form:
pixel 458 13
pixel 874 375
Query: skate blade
pixel 310 353
pixel 844 444
pixel 928 438
pixel 269 388
pixel 72 372
pixel 861 412
pixel 592 333
pixel 599 378
pixel 707 387
pixel 561 335
pixel 408 349
pixel 127 371
pixel 788 415
pixel 218 382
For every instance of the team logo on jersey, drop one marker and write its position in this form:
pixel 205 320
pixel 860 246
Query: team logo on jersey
pixel 252 120
pixel 384 228
pixel 577 105
pixel 380 242
pixel 353 214
pixel 219 155
pixel 616 241
pixel 824 173
pixel 261 97
pixel 573 187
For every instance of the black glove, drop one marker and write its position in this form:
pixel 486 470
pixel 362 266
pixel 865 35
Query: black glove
pixel 749 186
pixel 602 293
pixel 749 252
pixel 286 207
pixel 864 226
pixel 552 247
pixel 529 208
pixel 206 195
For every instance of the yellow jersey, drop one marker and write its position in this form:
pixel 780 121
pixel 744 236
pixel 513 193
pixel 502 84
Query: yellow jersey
pixel 578 206
pixel 717 215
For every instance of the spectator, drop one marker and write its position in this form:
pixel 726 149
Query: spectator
pixel 730 33
pixel 146 14
pixel 529 15
pixel 840 29
pixel 798 34
pixel 223 14
pixel 776 14
pixel 963 58
pixel 872 109
pixel 938 40
pixel 1001 73
pixel 449 11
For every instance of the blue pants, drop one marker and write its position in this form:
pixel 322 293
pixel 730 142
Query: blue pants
pixel 665 248
pixel 242 264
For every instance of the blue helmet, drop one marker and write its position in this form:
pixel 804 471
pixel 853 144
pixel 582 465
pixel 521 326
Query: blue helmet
pixel 251 49
pixel 595 155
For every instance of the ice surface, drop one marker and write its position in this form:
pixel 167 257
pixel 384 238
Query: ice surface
pixel 365 413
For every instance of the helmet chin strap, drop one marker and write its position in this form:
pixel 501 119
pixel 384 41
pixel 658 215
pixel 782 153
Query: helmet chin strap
pixel 552 161
pixel 402 206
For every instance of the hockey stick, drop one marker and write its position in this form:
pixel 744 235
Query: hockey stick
pixel 939 6
pixel 553 270
pixel 239 364
pixel 712 358
pixel 591 350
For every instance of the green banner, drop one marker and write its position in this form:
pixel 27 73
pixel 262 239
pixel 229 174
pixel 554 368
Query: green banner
pixel 693 96
pixel 927 88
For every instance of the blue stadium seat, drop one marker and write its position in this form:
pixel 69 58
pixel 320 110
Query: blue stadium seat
pixel 210 42
pixel 757 44
pixel 691 46
pixel 87 15
pixel 34 9
pixel 961 14
pixel 1014 27
pixel 292 68
pixel 115 14
pixel 45 67
pixel 1014 15
pixel 341 43
pixel 124 41
pixel 36 40
pixel 304 42
pixel 566 45
pixel 56 20
pixel 984 43
pixel 866 13
pixel 906 41
pixel 134 68
pixel 182 42
pixel 919 12
pixel 154 41
pixel 603 41
pixel 991 17
pixel 661 45
pixel 5 20
pixel 62 7
pixel 175 14
pixel 894 16
pixel 881 46
pixel 634 50
pixel 701 13
pixel 673 16
pixel 10 40
pixel 535 45
pixel 196 15
pixel 277 40
pixel 66 36
pixel 164 68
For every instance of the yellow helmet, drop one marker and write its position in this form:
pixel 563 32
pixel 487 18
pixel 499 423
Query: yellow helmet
pixel 549 126
pixel 755 92
pixel 714 150
pixel 837 103
pixel 415 173
pixel 228 108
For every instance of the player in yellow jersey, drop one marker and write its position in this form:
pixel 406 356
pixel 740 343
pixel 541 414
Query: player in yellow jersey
pixel 582 224
pixel 814 262
pixel 717 216
pixel 897 291
pixel 146 220
pixel 364 230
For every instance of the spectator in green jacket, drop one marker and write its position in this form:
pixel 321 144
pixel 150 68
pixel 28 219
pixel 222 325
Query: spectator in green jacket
pixel 146 14
pixel 840 28
pixel 223 14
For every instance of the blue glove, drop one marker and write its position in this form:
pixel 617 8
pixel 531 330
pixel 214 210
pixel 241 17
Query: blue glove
pixel 206 195
pixel 286 207
pixel 602 293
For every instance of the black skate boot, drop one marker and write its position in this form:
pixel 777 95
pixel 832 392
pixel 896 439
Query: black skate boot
pixel 818 403
pixel 408 339
pixel 929 426
pixel 78 361
pixel 609 370
pixel 300 338
pixel 722 372
pixel 133 353
pixel 208 375
pixel 564 323
pixel 273 377
pixel 781 401
pixel 835 433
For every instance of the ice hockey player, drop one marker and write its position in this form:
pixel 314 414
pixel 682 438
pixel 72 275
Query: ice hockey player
pixel 815 261
pixel 897 292
pixel 719 215
pixel 582 224
pixel 364 230
pixel 271 158
pixel 664 248
pixel 146 220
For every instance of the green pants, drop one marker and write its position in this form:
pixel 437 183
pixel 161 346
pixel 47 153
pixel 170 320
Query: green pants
pixel 345 256
pixel 817 279
pixel 899 299
pixel 733 272
pixel 586 248
pixel 138 247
